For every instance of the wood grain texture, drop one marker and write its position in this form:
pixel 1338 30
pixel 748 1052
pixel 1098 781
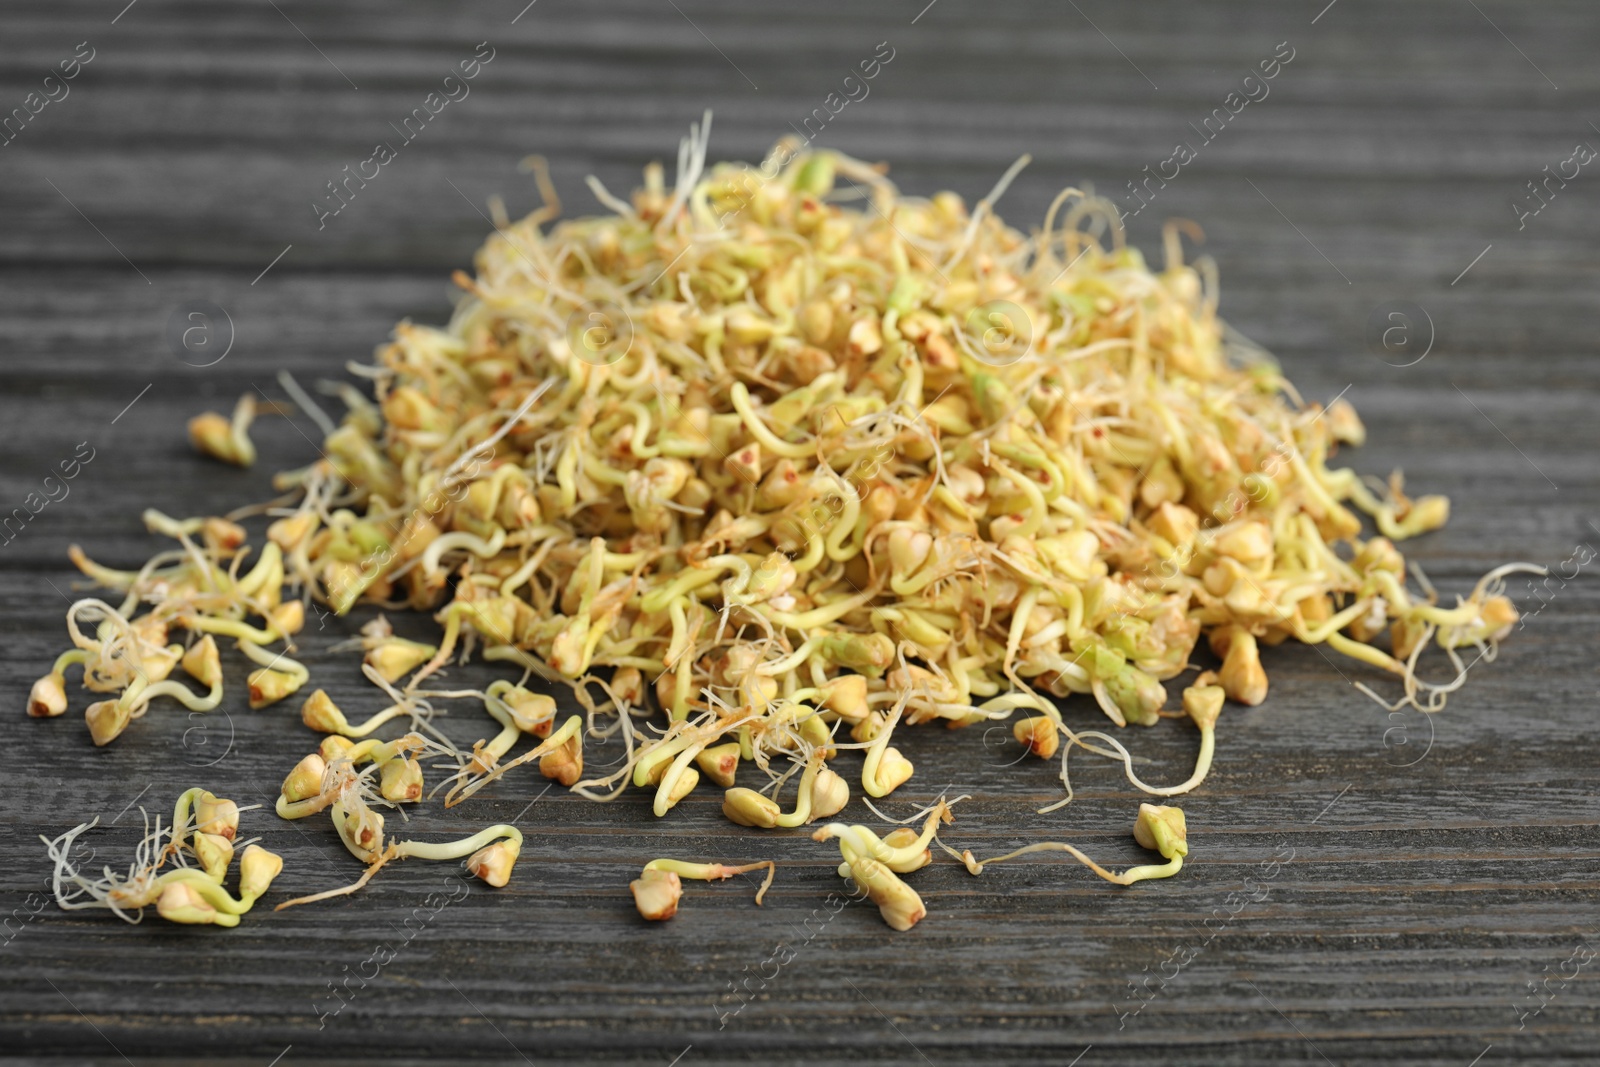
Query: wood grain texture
pixel 1438 866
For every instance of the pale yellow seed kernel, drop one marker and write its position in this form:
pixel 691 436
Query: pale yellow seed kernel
pixel 321 714
pixel 683 785
pixel 894 770
pixel 846 696
pixel 213 852
pixel 202 662
pixel 305 781
pixel 1248 542
pixel 268 686
pixel 749 808
pixel 334 746
pixel 897 902
pixel 212 434
pixel 719 763
pixel 829 794
pixel 215 815
pixel 288 618
pixel 493 863
pixel 400 780
pixel 656 894
pixel 564 764
pixel 1203 704
pixel 257 869
pixel 1162 828
pixel 1242 676
pixel 182 903
pixel 1499 615
pixel 107 719
pixel 865 338
pixel 1039 734
pixel 393 658
pixel 48 697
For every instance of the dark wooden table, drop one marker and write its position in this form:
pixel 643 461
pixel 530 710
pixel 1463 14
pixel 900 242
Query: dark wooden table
pixel 1438 867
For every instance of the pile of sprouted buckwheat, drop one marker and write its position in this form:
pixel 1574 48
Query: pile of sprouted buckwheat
pixel 767 467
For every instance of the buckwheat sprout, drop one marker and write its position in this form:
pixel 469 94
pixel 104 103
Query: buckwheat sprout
pixel 560 757
pixel 226 439
pixel 1202 703
pixel 519 712
pixel 305 403
pixel 321 714
pixel 508 838
pixel 183 894
pixel 48 697
pixel 203 664
pixel 123 895
pixel 908 854
pixel 659 886
pixel 885 769
pixel 919 813
pixel 420 710
pixel 1160 829
pixel 189 897
pixel 749 808
pixel 329 775
pixel 897 902
pixel 490 854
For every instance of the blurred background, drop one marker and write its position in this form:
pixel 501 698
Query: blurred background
pixel 1398 200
